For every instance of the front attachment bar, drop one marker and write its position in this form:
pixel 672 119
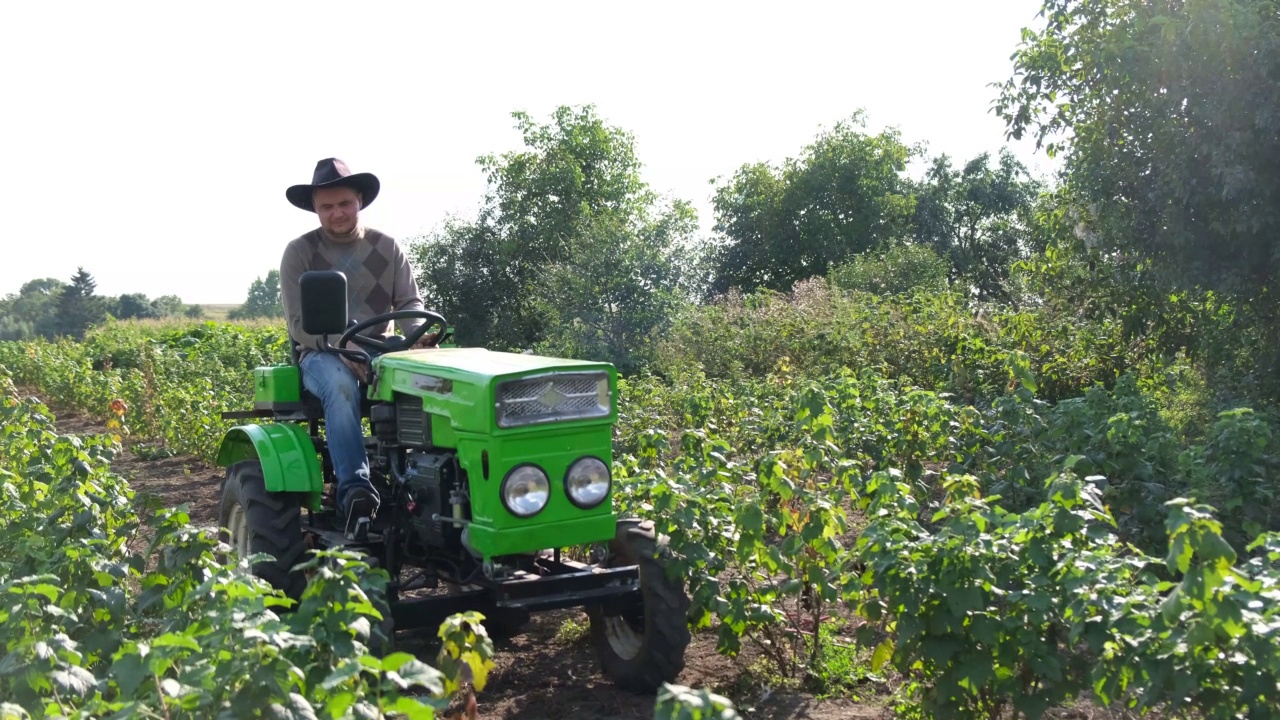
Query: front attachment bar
pixel 562 585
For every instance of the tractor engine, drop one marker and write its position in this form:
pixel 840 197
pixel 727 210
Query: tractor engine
pixel 432 489
pixel 431 481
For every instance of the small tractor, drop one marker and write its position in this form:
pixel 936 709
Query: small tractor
pixel 494 470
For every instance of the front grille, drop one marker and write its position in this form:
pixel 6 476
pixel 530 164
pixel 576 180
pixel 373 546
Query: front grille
pixel 411 422
pixel 547 398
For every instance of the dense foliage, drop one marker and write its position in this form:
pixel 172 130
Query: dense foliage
pixel 979 218
pixel 108 611
pixel 571 250
pixel 998 558
pixel 1167 116
pixel 846 194
pixel 845 438
pixel 174 381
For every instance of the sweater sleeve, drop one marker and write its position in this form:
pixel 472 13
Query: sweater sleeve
pixel 405 295
pixel 292 265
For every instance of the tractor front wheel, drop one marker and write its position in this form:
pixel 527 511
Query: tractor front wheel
pixel 254 520
pixel 641 642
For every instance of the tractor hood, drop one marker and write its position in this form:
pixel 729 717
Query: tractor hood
pixel 480 363
pixel 475 390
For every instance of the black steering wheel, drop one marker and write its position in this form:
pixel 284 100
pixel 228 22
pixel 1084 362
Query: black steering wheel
pixel 394 343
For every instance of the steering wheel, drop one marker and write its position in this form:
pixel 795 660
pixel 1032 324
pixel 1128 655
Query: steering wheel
pixel 394 343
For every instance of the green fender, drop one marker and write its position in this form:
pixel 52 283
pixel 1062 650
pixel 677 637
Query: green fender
pixel 289 459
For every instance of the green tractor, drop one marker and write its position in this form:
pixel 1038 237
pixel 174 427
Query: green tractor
pixel 489 465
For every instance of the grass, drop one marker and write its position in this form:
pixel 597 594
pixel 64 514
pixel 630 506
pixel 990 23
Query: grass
pixel 844 668
pixel 178 322
pixel 218 313
pixel 572 631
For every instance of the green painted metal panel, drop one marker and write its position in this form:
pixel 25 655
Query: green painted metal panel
pixel 460 384
pixel 582 531
pixel 276 384
pixel 289 459
pixel 553 450
pixel 442 432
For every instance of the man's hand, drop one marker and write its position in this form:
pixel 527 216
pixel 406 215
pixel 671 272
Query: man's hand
pixel 428 341
pixel 359 369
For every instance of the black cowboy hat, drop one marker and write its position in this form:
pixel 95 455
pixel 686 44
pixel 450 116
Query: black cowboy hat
pixel 332 172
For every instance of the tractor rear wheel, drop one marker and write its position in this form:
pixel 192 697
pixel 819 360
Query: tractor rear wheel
pixel 641 643
pixel 254 520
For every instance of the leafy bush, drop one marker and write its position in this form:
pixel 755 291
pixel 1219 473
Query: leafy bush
pixel 107 613
pixel 174 380
pixel 1237 470
pixel 936 340
pixel 788 500
pixel 677 702
pixel 900 269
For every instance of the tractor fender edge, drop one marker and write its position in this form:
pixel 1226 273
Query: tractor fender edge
pixel 289 459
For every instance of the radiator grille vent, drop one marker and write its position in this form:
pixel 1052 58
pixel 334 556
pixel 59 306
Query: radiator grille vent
pixel 412 426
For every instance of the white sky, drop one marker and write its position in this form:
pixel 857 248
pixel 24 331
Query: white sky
pixel 152 142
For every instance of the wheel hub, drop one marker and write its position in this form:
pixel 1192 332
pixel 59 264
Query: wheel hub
pixel 623 638
pixel 238 528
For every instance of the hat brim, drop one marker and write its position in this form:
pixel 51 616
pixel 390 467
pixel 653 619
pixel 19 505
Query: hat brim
pixel 364 183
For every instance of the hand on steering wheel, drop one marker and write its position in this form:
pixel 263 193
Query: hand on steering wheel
pixel 391 344
pixel 395 343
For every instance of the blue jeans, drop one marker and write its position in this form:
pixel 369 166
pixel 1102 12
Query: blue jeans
pixel 325 376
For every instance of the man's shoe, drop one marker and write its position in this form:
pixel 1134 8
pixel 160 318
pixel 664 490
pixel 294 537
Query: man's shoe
pixel 362 507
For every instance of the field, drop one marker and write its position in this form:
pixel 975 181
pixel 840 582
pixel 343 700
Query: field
pixel 218 313
pixel 930 436
pixel 858 544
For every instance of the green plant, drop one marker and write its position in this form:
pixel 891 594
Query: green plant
pixel 677 702
pixel 572 631
pixel 104 614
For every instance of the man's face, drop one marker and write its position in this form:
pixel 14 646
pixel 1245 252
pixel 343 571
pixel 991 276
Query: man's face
pixel 338 209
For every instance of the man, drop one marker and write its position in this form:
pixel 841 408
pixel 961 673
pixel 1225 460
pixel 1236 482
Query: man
pixel 379 280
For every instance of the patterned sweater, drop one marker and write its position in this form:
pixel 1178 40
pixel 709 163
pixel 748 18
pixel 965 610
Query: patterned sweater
pixel 379 279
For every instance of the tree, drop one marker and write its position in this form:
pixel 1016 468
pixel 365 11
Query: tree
pixel 978 218
pixel 1168 117
pixel 263 300
pixel 570 252
pixel 847 193
pixel 78 307
pixel 135 305
pixel 33 311
pixel 12 328
pixel 168 305
pixel 609 299
pixel 461 273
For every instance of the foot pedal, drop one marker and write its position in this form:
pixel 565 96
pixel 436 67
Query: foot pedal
pixel 360 531
pixel 360 518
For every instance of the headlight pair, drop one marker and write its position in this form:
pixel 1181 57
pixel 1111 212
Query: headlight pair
pixel 526 489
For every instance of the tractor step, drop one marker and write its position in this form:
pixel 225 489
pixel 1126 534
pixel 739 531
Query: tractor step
pixel 336 538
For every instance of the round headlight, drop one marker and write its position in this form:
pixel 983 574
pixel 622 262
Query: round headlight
pixel 587 482
pixel 525 490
